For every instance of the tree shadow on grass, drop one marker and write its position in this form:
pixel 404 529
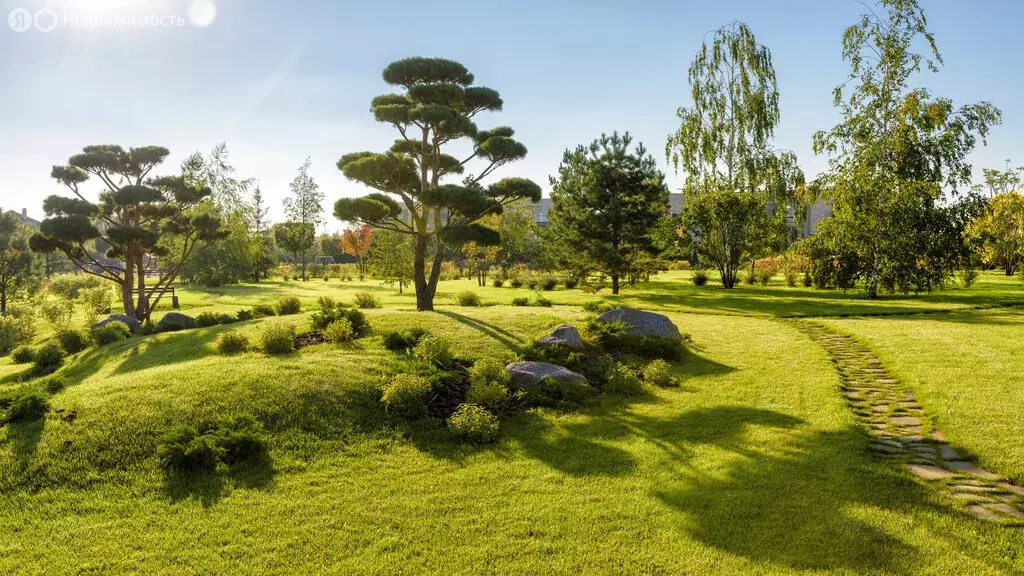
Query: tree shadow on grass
pixel 502 335
pixel 208 487
pixel 23 437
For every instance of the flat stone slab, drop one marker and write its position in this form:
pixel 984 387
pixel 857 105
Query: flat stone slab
pixel 905 421
pixel 1019 490
pixel 1005 509
pixel 929 472
pixel 526 375
pixel 969 468
pixel 948 453
pixel 982 512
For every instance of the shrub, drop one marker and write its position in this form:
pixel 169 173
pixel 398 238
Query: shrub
pixel 70 285
pixel 148 328
pixel 240 439
pixel 405 395
pixel 532 283
pixel 498 282
pixel 790 278
pixel 766 268
pixel 808 281
pixel 289 305
pixel 491 395
pixel 516 283
pixel 659 373
pixel 263 309
pixel 435 350
pixel 233 342
pixel 467 298
pixel 366 300
pixel 358 321
pixel 750 278
pixel 73 341
pixel 95 301
pixel 11 334
pixel 225 318
pixel 278 339
pixel 548 283
pixel 53 384
pixel 403 340
pixel 559 394
pixel 206 319
pixel 623 382
pixel 700 277
pixel 57 312
pixel 968 276
pixel 113 332
pixel 48 359
pixel 339 331
pixel 27 407
pixel 597 307
pixel 571 282
pixel 521 301
pixel 244 315
pixel 184 449
pixel 23 354
pixel 615 337
pixel 542 302
pixel 474 424
pixel 488 370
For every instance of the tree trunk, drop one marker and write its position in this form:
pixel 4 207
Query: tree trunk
pixel 303 265
pixel 3 302
pixel 615 284
pixel 872 286
pixel 142 308
pixel 126 292
pixel 424 301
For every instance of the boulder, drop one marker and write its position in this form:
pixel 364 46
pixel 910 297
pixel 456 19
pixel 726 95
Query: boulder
pixel 175 321
pixel 563 335
pixel 526 375
pixel 641 323
pixel 131 322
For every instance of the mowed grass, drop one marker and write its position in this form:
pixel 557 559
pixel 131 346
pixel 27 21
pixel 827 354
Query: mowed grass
pixel 967 369
pixel 752 466
pixel 668 291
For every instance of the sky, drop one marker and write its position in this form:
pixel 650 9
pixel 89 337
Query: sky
pixel 282 80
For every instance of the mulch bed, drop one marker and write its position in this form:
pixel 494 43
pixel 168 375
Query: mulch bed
pixel 309 339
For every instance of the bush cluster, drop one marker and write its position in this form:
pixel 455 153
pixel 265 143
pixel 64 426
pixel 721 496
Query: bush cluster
pixel 659 373
pixel 488 385
pixel 331 311
pixel 435 350
pixel 233 342
pixel 406 395
pixel 339 331
pixel 23 354
pixel 278 339
pixel 700 277
pixel 401 340
pixel 474 424
pixel 73 341
pixel 27 407
pixel 288 305
pixel 48 360
pixel 264 310
pixel 522 301
pixel 616 337
pixel 467 298
pixel 366 300
pixel 623 382
pixel 559 394
pixel 597 307
pixel 231 441
pixel 113 332
pixel 55 383
pixel 16 326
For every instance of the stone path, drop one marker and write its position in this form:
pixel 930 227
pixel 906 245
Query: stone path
pixel 902 432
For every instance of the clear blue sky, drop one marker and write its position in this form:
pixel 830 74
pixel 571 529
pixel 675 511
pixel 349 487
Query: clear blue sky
pixel 282 80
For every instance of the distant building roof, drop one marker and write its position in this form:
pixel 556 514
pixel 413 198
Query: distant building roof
pixel 23 216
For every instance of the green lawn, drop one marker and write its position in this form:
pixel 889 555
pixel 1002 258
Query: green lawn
pixel 967 369
pixel 753 466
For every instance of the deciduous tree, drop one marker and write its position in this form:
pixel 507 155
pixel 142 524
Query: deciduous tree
pixel 136 216
pixel 896 154
pixel 391 257
pixel 434 110
pixel 605 202
pixel 305 207
pixel 356 241
pixel 998 233
pixel 18 265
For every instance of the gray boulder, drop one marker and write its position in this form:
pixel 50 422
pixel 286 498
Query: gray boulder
pixel 175 321
pixel 131 322
pixel 563 335
pixel 641 323
pixel 526 375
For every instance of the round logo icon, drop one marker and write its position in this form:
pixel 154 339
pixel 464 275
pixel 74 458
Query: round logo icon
pixel 45 20
pixel 19 19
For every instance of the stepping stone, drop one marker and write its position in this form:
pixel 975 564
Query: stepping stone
pixel 948 453
pixel 972 488
pixel 938 436
pixel 905 421
pixel 969 497
pixel 886 448
pixel 909 405
pixel 908 396
pixel 852 395
pixel 1018 490
pixel 1005 509
pixel 969 468
pixel 880 408
pixel 909 438
pixel 927 472
pixel 984 513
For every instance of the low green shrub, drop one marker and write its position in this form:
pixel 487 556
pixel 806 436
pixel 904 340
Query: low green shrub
pixel 623 382
pixel 571 282
pixel 498 282
pixel 23 354
pixel 148 327
pixel 263 310
pixel 616 337
pixel 700 277
pixel 405 395
pixel 366 300
pixel 54 383
pixel 548 284
pixel 240 439
pixel 750 278
pixel 339 331
pixel 488 394
pixel 184 449
pixel 522 301
pixel 288 305
pixel 474 424
pixel 278 339
pixel 562 395
pixel 48 360
pixel 113 332
pixel 360 327
pixel 17 325
pixel 233 342
pixel 225 318
pixel 435 350
pixel 542 302
pixel 516 283
pixel 597 307
pixel 398 341
pixel 73 341
pixel 808 281
pixel 206 319
pixel 244 315
pixel 467 298
pixel 27 407
pixel 968 276
pixel 659 373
